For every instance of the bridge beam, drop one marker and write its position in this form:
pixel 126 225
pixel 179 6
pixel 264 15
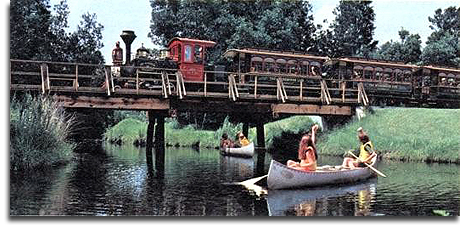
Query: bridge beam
pixel 119 103
pixel 311 109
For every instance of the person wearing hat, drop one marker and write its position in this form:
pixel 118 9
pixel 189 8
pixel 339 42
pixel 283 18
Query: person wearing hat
pixel 366 152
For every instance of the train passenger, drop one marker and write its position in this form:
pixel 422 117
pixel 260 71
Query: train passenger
pixel 366 152
pixel 225 142
pixel 117 55
pixel 307 152
pixel 241 140
pixel 443 81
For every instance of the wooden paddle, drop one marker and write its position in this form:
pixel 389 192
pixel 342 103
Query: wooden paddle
pixel 370 167
pixel 250 185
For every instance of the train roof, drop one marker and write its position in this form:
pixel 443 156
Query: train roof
pixel 379 63
pixel 456 70
pixel 233 52
pixel 197 41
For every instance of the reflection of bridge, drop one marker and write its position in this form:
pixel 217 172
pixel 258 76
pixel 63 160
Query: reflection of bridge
pixel 162 91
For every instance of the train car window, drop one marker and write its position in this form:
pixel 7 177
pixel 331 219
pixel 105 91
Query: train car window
pixel 281 65
pixel 387 74
pixel 378 73
pixel 198 54
pixel 256 64
pixel 292 67
pixel 407 75
pixel 305 68
pixel 397 75
pixel 357 72
pixel 188 53
pixel 315 68
pixel 179 52
pixel 269 65
pixel 368 72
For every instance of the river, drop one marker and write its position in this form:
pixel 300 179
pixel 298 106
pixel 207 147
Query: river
pixel 115 181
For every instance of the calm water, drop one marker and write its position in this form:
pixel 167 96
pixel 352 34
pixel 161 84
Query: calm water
pixel 116 182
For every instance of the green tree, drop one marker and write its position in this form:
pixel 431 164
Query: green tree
pixel 442 47
pixel 37 33
pixel 408 50
pixel 352 29
pixel 282 25
pixel 30 22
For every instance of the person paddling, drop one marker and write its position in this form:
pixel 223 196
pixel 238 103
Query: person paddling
pixel 306 153
pixel 366 152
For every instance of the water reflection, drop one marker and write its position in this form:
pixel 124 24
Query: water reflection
pixel 117 181
pixel 323 201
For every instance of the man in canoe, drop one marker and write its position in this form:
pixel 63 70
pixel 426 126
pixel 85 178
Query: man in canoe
pixel 366 152
pixel 242 140
pixel 307 152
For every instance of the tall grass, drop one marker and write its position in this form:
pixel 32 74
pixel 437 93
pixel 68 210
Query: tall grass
pixel 38 132
pixel 403 134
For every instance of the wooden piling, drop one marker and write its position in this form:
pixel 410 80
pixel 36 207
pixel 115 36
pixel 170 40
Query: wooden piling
pixel 150 130
pixel 160 146
pixel 246 129
pixel 259 171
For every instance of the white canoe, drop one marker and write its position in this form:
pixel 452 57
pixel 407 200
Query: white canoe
pixel 246 151
pixel 282 177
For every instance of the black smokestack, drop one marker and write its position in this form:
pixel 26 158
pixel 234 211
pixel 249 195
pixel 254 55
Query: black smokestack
pixel 128 38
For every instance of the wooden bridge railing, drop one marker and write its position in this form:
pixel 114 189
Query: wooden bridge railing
pixel 169 83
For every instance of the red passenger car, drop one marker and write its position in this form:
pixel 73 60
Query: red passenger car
pixel 190 56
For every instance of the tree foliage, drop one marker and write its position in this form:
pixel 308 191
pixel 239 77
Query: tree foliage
pixel 37 33
pixel 408 50
pixel 280 25
pixel 442 47
pixel 352 30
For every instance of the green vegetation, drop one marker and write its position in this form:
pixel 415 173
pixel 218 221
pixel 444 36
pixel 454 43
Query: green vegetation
pixel 131 131
pixel 38 131
pixel 403 134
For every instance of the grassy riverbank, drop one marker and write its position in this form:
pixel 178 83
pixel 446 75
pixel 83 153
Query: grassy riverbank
pixel 38 132
pixel 133 131
pixel 403 134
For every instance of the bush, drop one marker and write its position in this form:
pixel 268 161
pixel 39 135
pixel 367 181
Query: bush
pixel 38 132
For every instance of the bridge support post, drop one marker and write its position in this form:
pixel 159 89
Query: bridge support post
pixel 246 129
pixel 160 146
pixel 148 149
pixel 260 149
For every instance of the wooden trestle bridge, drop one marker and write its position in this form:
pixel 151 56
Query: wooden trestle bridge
pixel 256 97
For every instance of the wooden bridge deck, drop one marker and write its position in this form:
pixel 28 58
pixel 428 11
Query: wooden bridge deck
pixel 101 86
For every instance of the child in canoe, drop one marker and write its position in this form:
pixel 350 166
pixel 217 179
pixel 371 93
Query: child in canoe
pixel 307 152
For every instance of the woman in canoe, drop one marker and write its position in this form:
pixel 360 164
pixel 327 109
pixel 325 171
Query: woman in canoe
pixel 307 152
pixel 366 152
pixel 241 140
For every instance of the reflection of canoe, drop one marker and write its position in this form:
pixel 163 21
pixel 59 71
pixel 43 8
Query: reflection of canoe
pixel 280 176
pixel 281 201
pixel 237 168
pixel 246 151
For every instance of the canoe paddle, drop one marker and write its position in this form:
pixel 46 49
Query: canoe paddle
pixel 370 167
pixel 250 185
pixel 252 180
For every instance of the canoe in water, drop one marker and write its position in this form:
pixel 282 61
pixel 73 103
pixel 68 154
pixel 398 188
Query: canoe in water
pixel 282 177
pixel 246 151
